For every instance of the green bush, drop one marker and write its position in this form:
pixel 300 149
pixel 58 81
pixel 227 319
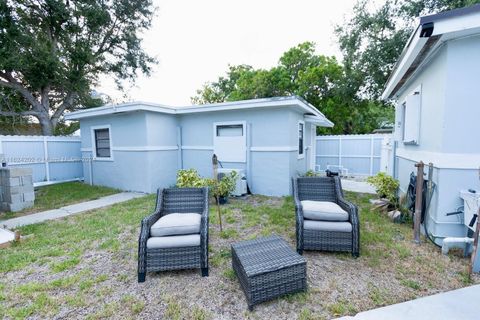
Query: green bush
pixel 311 173
pixel 385 185
pixel 224 186
pixel 189 178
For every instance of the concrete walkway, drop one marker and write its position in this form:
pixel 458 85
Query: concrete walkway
pixel 6 236
pixel 457 304
pixel 70 210
pixel 357 186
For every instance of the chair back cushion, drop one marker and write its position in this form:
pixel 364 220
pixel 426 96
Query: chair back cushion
pixel 190 240
pixel 316 188
pixel 176 224
pixel 323 210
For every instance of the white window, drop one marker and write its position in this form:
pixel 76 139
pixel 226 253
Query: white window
pixel 229 141
pixel 230 130
pixel 301 139
pixel 102 143
pixel 411 108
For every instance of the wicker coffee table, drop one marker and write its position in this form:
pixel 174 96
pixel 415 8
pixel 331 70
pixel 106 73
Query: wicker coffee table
pixel 268 268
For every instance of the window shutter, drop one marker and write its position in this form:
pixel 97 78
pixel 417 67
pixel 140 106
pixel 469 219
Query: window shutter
pixel 412 119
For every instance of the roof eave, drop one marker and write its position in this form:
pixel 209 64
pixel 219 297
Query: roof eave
pixel 418 49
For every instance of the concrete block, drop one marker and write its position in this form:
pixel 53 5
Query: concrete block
pixel 13 197
pixel 29 196
pixel 21 189
pixel 18 172
pixel 14 207
pixel 27 180
pixel 13 182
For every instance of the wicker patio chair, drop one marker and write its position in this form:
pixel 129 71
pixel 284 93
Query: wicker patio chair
pixel 177 251
pixel 325 231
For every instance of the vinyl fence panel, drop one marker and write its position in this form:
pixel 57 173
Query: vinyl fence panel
pixel 52 159
pixel 354 154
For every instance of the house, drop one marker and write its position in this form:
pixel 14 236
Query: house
pixel 140 146
pixel 436 88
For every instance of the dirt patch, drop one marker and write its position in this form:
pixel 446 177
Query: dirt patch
pixel 104 282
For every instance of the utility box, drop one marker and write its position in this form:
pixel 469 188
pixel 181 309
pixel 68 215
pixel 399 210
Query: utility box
pixel 16 189
pixel 471 202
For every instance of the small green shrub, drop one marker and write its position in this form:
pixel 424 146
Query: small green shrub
pixel 189 178
pixel 223 187
pixel 385 185
pixel 311 173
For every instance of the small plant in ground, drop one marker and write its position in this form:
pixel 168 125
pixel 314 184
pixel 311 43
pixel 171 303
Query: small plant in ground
pixel 228 233
pixel 410 284
pixel 385 186
pixel 199 314
pixel 342 307
pixel 229 274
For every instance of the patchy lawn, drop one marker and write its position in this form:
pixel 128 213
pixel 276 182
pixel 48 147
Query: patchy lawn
pixel 85 267
pixel 62 194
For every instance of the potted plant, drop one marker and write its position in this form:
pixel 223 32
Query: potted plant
pixel 223 187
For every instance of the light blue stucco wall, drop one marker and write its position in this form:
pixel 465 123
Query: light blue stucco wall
pixel 149 148
pixel 269 172
pixel 461 129
pixel 126 170
pixel 432 80
pixel 449 130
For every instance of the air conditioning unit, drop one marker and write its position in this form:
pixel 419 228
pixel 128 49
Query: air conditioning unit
pixel 241 184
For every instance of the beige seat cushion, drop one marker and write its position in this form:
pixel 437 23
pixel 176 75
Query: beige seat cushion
pixel 327 226
pixel 176 224
pixel 323 210
pixel 189 240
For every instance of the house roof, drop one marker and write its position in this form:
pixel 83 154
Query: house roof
pixel 430 34
pixel 312 113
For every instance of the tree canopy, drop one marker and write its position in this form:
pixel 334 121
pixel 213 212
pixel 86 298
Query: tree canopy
pixel 300 71
pixel 52 53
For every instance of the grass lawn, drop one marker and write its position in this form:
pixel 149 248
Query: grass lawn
pixel 85 267
pixel 62 194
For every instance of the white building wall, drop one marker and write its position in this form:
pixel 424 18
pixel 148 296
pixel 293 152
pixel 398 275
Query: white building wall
pixel 449 131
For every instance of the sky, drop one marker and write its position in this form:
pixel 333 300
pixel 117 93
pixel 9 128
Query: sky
pixel 195 41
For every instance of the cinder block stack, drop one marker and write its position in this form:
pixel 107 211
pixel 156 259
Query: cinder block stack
pixel 16 189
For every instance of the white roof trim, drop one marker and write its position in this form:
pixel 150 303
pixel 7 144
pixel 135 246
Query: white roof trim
pixel 321 122
pixel 448 27
pixel 292 101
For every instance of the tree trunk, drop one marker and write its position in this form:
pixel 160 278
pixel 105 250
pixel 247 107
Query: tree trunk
pixel 46 124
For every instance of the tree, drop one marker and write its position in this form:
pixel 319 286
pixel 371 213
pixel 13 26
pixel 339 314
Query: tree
pixel 373 39
pixel 52 52
pixel 300 71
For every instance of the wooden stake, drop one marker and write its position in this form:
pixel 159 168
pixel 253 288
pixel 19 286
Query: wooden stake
pixel 215 177
pixel 475 245
pixel 418 203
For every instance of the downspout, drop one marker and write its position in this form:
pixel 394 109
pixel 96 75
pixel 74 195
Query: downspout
pixel 249 156
pixel 91 168
pixel 179 144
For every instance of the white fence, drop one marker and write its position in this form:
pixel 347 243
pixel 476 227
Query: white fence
pixel 362 155
pixel 53 159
